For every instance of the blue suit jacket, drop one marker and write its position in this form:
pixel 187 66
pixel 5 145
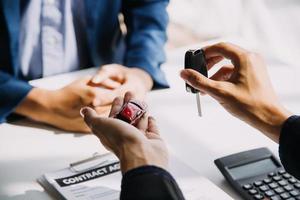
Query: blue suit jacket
pixel 142 47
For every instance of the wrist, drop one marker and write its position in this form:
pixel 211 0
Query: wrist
pixel 137 155
pixel 132 156
pixel 273 117
pixel 145 78
pixel 38 99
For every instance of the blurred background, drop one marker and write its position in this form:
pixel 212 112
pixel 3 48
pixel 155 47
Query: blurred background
pixel 270 27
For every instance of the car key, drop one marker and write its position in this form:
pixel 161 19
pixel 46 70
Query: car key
pixel 132 111
pixel 195 59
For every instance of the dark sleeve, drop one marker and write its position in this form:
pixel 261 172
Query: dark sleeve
pixel 146 22
pixel 149 182
pixel 289 142
pixel 12 92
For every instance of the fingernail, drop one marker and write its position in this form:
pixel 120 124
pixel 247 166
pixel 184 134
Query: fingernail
pixel 82 112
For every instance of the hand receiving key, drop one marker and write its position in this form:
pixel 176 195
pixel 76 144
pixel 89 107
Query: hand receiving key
pixel 135 146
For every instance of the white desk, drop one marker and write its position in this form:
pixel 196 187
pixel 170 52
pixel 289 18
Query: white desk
pixel 27 151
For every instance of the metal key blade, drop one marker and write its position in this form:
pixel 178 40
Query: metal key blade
pixel 198 104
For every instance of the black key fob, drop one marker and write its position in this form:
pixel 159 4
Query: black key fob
pixel 195 59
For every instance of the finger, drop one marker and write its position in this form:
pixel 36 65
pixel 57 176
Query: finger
pixel 198 81
pixel 103 111
pixel 128 96
pixel 110 84
pixel 106 72
pixel 101 126
pixel 110 95
pixel 107 84
pixel 102 97
pixel 84 80
pixel 152 127
pixel 212 61
pixel 89 115
pixel 223 74
pixel 142 123
pixel 227 50
pixel 102 75
pixel 116 106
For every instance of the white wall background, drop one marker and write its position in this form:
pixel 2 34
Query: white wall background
pixel 270 27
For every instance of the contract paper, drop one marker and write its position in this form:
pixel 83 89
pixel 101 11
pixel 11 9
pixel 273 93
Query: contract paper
pixel 103 182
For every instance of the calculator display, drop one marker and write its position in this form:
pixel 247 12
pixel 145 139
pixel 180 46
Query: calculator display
pixel 253 169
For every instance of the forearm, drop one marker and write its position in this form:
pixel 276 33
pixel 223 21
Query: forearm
pixel 269 119
pixel 36 105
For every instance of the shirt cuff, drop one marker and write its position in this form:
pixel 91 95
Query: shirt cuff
pixel 289 145
pixel 12 94
pixel 157 171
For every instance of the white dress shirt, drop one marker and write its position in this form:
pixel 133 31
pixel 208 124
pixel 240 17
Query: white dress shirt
pixel 48 43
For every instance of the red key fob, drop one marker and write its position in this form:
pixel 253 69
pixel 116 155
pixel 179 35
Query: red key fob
pixel 132 111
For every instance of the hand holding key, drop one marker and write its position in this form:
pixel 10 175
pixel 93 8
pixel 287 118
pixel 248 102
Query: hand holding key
pixel 195 59
pixel 135 146
pixel 242 88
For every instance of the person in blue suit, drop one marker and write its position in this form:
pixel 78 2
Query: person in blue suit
pixel 40 38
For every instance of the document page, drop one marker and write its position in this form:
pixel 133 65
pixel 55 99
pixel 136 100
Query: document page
pixel 103 182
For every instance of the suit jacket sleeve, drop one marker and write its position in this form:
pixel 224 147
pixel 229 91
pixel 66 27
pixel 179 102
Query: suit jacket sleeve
pixel 12 92
pixel 289 146
pixel 146 22
pixel 149 182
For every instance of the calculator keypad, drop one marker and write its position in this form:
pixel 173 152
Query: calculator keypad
pixel 277 186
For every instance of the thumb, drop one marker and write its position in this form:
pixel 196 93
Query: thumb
pixel 199 82
pixel 91 117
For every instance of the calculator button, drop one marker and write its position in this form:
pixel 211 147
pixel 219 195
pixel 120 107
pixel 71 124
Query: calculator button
pixel 292 198
pixel 273 185
pixel 269 193
pixel 297 185
pixel 247 186
pixel 288 187
pixel 258 196
pixel 286 176
pixel 281 172
pixel 294 193
pixel 258 183
pixel 292 180
pixel 282 183
pixel 264 188
pixel 275 198
pixel 276 178
pixel 272 174
pixel 253 191
pixel 279 190
pixel 267 180
pixel 285 195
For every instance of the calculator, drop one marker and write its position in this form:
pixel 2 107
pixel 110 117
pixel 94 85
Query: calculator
pixel 257 174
